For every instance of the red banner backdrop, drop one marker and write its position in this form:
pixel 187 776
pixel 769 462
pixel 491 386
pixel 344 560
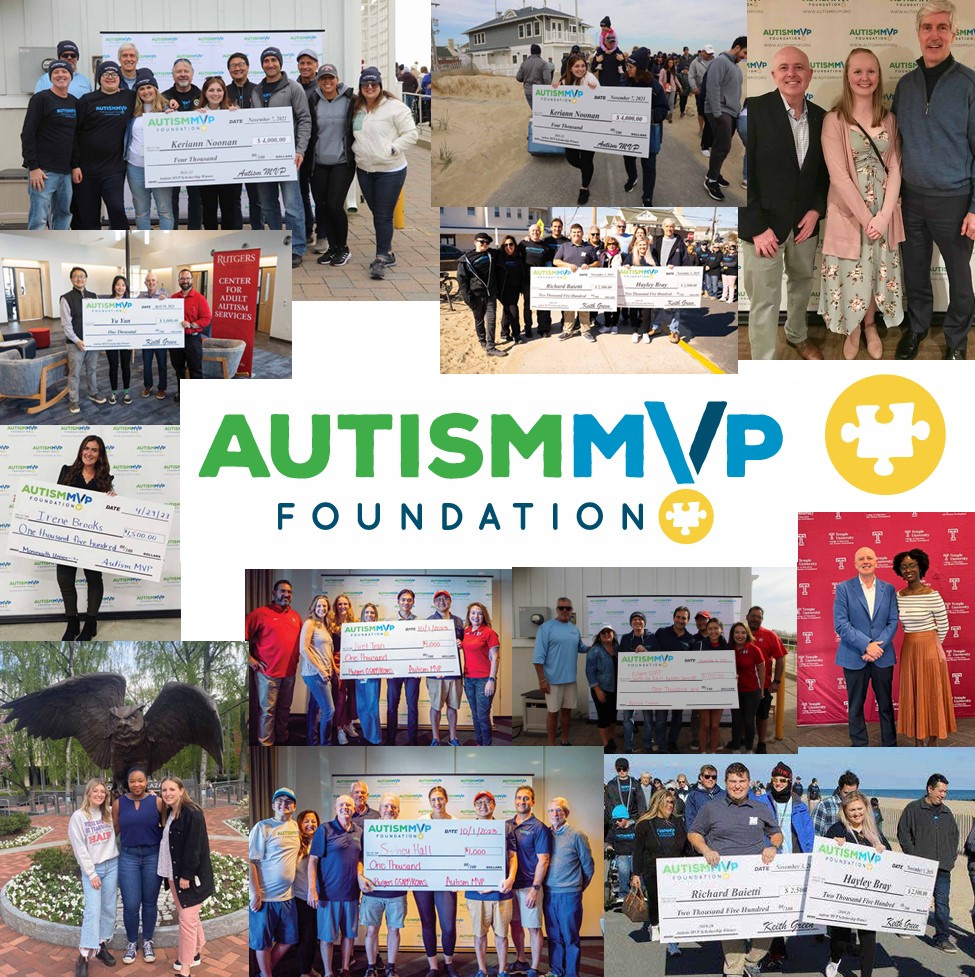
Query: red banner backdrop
pixel 234 308
pixel 827 542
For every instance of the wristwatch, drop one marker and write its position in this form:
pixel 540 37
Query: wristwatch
pixel 536 887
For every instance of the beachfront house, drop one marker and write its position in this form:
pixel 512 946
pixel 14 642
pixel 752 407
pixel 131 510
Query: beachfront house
pixel 501 44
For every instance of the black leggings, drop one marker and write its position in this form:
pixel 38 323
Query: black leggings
pixel 605 711
pixel 307 936
pixel 743 719
pixel 329 185
pixel 581 159
pixel 222 194
pixel 89 194
pixel 115 357
pixel 69 592
pixel 840 938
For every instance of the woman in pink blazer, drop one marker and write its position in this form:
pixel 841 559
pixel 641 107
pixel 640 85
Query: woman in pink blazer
pixel 861 261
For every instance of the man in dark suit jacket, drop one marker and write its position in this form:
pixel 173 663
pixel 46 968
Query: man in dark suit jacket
pixel 676 256
pixel 865 618
pixel 787 183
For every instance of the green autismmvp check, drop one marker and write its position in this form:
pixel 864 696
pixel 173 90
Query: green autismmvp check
pixel 565 290
pixel 62 524
pixel 738 898
pixel 211 147
pixel 859 887
pixel 133 323
pixel 436 855
pixel 605 120
pixel 399 649
pixel 677 680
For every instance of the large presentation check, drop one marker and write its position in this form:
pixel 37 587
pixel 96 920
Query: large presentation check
pixel 399 649
pixel 61 524
pixel 740 897
pixel 678 680
pixel 607 120
pixel 201 147
pixel 856 886
pixel 133 323
pixel 658 288
pixel 428 854
pixel 564 290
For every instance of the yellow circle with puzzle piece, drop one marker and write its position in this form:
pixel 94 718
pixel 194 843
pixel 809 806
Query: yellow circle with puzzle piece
pixel 686 516
pixel 885 434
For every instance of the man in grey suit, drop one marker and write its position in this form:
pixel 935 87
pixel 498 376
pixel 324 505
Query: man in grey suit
pixel 865 619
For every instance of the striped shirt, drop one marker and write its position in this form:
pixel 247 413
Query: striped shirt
pixel 800 131
pixel 923 612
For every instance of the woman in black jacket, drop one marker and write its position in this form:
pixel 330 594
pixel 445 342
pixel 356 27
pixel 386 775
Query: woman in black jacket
pixel 513 275
pixel 184 862
pixel 638 71
pixel 659 834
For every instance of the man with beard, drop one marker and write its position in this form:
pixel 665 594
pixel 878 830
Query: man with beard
pixel 534 254
pixel 196 318
pixel 307 71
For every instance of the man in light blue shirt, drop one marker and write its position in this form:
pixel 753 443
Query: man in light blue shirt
pixel 557 644
pixel 80 85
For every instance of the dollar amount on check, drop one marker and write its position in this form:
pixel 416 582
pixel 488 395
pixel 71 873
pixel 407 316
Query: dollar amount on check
pixel 399 649
pixel 857 886
pixel 565 290
pixel 740 897
pixel 606 120
pixel 678 680
pixel 447 854
pixel 200 148
pixel 133 323
pixel 61 524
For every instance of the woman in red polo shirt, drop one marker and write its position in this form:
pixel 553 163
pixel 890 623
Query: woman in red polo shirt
pixel 750 664
pixel 482 657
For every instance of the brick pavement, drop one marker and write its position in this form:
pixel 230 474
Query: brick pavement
pixel 415 273
pixel 26 957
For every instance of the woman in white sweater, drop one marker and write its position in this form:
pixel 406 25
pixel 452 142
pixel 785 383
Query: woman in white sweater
pixel 92 837
pixel 382 130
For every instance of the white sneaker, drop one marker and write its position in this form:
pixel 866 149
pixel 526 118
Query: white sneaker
pixel 342 738
pixel 705 152
pixel 636 338
pixel 646 338
pixel 614 330
pixel 832 969
pixel 654 934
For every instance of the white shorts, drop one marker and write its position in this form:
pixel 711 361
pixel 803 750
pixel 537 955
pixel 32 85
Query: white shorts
pixel 562 696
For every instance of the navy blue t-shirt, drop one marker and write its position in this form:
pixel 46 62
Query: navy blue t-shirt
pixel 532 838
pixel 339 853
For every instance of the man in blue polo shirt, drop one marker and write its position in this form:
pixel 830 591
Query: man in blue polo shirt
pixel 533 845
pixel 360 802
pixel 375 903
pixel 737 824
pixel 334 870
pixel 576 255
pixel 557 644
pixel 491 908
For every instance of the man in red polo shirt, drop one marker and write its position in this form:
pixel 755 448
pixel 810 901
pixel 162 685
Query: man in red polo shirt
pixel 774 651
pixel 272 637
pixel 196 317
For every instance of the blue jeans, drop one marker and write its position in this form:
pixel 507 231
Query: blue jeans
pixel 624 870
pixel 143 196
pixel 139 885
pixel 367 705
pixel 713 287
pixel 53 202
pixel 381 191
pixel 743 132
pixel 942 909
pixel 629 717
pixel 480 708
pixel 160 357
pixel 674 318
pixel 274 697
pixel 294 211
pixel 563 919
pixel 394 689
pixel 321 691
pixel 98 922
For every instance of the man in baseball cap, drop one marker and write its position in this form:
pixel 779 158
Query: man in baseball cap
pixel 478 280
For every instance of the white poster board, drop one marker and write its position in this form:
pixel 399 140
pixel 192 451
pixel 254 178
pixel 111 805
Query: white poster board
pixel 133 323
pixel 399 649
pixel 678 680
pixel 564 290
pixel 660 288
pixel 606 120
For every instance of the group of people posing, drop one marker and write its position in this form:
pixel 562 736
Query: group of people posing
pixel 866 613
pixel 309 888
pixel 278 639
pixel 187 361
pixel 487 276
pixel 83 145
pixel 132 846
pixel 759 657
pixel 890 183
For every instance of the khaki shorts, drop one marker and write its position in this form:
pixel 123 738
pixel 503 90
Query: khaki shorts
pixel 444 688
pixel 490 914
pixel 529 918
pixel 563 696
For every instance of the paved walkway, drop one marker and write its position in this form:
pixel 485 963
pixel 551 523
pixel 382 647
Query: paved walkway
pixel 25 957
pixel 413 277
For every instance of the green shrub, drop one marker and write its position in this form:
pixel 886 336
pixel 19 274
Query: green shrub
pixel 55 861
pixel 12 824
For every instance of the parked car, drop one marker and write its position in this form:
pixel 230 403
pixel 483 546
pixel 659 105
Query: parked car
pixel 448 257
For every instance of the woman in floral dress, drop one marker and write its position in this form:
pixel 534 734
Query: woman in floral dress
pixel 861 262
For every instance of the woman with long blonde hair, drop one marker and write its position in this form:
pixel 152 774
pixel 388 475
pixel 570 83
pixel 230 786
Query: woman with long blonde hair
pixel 343 690
pixel 147 101
pixel 315 647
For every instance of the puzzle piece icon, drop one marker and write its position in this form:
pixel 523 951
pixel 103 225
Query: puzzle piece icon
pixel 686 516
pixel 895 439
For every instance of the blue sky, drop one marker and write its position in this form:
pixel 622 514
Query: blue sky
pixel 715 22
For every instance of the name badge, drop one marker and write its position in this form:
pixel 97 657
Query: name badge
pixel 753 821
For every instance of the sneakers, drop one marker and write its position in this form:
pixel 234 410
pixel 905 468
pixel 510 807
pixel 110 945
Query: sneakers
pixel 947 946
pixel 705 152
pixel 589 337
pixel 673 949
pixel 321 246
pixel 148 953
pixel 131 952
pixel 112 398
pixel 341 256
pixel 295 260
pixel 496 352
pixel 432 743
pixel 97 398
pixel 146 391
pixel 389 259
pixel 675 337
pixel 105 956
pixel 518 967
pixel 713 189
pixel 583 197
pixel 614 330
pixel 160 395
pixel 196 963
pixel 126 398
pixel 721 181
pixel 74 409
pixel 629 185
pixel 377 269
pixel 635 338
pixel 753 970
pixel 563 336
pixel 372 971
pixel 326 258
pixel 832 969
pixel 455 742
pixel 761 748
pixel 744 184
pixel 391 970
pixel 342 738
pixel 654 934
pixel 647 335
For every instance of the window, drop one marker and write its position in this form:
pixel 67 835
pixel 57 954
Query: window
pixel 441 211
pixel 514 58
pixel 477 38
pixel 558 27
pixel 471 211
pixel 538 29
pixel 507 212
pixel 497 211
pixel 521 30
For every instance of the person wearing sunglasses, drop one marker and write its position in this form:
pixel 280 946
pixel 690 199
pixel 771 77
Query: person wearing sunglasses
pixel 706 789
pixel 79 84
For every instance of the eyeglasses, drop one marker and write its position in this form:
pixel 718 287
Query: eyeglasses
pixel 709 776
pixel 594 233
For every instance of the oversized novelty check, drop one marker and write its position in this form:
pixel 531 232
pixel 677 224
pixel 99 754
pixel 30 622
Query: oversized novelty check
pixel 564 290
pixel 607 120
pixel 61 524
pixel 434 855
pixel 678 680
pixel 858 887
pixel 399 649
pixel 201 147
pixel 133 323
pixel 740 897
pixel 660 288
